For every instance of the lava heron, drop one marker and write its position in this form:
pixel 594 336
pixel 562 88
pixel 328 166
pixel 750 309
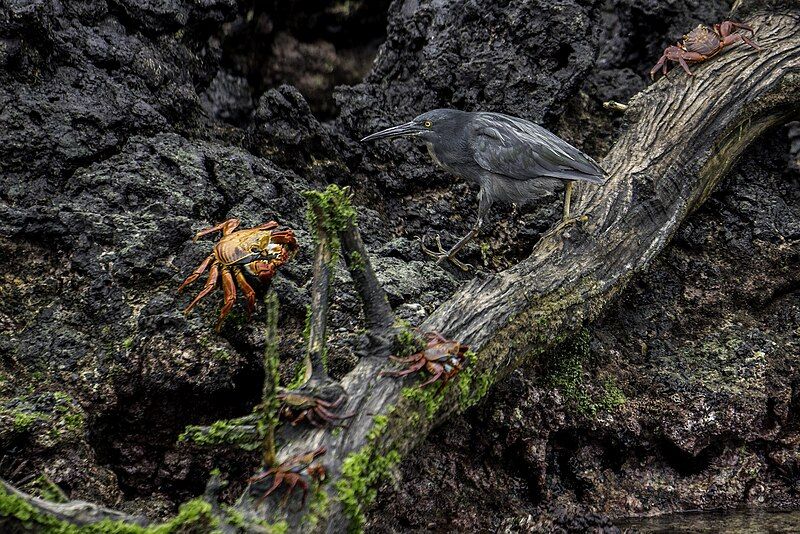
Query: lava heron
pixel 511 159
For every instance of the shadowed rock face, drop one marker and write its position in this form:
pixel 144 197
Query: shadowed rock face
pixel 129 125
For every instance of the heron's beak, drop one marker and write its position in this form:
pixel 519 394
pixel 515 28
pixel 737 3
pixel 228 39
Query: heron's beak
pixel 408 128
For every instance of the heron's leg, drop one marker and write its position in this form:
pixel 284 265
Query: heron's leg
pixel 567 200
pixel 441 255
pixel 566 219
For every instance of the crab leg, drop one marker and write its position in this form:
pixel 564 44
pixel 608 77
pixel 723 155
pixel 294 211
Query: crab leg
pixel 229 288
pixel 685 66
pixel 661 63
pixel 432 379
pixel 247 289
pixel 197 272
pixel 211 283
pixel 330 415
pixel 752 43
pixel 738 37
pixel 413 369
pixel 262 476
pixel 444 383
pixel 300 417
pixel 277 482
pixel 227 227
pixel 314 419
pixel 728 27
pixel 295 478
pixel 333 405
pixel 264 270
pixel 437 335
pixel 406 359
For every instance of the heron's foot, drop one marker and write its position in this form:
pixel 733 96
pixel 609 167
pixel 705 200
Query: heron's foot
pixel 444 255
pixel 568 221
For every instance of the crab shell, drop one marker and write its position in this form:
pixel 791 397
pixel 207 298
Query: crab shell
pixel 240 258
pixel 703 40
pixel 256 249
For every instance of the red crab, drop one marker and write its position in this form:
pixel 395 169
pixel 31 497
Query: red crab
pixel 298 406
pixel 291 472
pixel 702 43
pixel 441 357
pixel 252 253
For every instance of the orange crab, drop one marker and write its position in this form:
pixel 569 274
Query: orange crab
pixel 441 357
pixel 297 406
pixel 252 254
pixel 703 43
pixel 291 473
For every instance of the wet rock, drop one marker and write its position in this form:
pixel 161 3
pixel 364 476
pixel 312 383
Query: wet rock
pixel 228 98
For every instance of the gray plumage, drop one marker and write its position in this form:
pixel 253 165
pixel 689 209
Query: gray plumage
pixel 511 159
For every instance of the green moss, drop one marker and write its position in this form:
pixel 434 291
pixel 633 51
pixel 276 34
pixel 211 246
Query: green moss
pixel 234 517
pixel 270 405
pixel 225 432
pixel 194 517
pixel 221 355
pixel 566 372
pixel 361 473
pixel 56 416
pixel 331 211
pixel 317 509
pixel 23 421
pixel 307 325
pixel 357 261
pixel 74 422
pixel 425 398
pixel 406 341
pixel 612 397
pixel 128 342
pixel 44 488
pixel 472 385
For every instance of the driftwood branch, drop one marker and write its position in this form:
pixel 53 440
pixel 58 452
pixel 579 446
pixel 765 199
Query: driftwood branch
pixel 378 316
pixel 323 259
pixel 75 512
pixel 684 134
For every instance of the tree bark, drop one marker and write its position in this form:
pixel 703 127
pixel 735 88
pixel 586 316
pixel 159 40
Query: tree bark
pixel 317 335
pixel 684 134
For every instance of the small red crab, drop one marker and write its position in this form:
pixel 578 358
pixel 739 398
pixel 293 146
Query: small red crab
pixel 253 253
pixel 441 357
pixel 298 406
pixel 291 472
pixel 702 43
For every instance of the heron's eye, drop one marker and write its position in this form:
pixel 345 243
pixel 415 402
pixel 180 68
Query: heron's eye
pixel 427 124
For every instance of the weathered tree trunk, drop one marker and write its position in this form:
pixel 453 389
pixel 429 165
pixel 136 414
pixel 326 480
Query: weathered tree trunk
pixel 684 134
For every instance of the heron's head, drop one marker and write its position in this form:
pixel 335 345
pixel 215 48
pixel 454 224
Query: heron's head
pixel 429 126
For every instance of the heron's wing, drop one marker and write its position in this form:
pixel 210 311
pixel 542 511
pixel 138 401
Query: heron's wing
pixel 522 150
